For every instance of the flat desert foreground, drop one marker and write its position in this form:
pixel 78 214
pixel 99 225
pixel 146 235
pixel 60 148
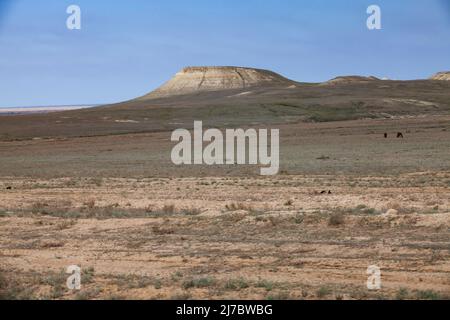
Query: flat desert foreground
pixel 228 238
pixel 141 228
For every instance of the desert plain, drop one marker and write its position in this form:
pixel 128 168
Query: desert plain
pixel 140 227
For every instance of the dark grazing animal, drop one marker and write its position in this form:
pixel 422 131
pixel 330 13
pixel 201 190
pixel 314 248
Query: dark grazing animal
pixel 8 188
pixel 399 135
pixel 385 135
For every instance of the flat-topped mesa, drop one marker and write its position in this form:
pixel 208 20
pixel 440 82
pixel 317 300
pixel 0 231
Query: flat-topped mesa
pixel 445 76
pixel 350 80
pixel 202 79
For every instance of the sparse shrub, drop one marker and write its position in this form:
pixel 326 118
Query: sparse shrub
pixel 88 294
pixel 428 295
pixel 236 284
pixel 97 181
pixel 157 284
pixel 57 282
pixel 336 219
pixel 359 294
pixel 39 207
pixel 363 209
pixel 238 206
pixel 289 203
pixel 115 297
pixel 87 275
pixel 159 230
pixel 168 209
pixel 268 285
pixel 399 208
pixel 176 276
pixel 12 289
pixel 181 296
pixel 402 294
pixel 298 218
pixel 358 210
pixel 55 279
pixel 71 183
pixel 233 206
pixel 3 282
pixel 135 282
pixel 274 221
pixel 199 283
pixel 191 211
pixel 234 217
pixel 283 295
pixel 90 204
pixel 260 219
pixel 66 224
pixel 51 244
pixel 323 292
pixel 305 293
pixel 57 291
pixel 369 211
pixel 15 291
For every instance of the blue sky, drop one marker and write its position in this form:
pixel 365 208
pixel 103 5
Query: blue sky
pixel 127 48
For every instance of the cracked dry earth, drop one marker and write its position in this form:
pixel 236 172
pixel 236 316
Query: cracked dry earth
pixel 227 238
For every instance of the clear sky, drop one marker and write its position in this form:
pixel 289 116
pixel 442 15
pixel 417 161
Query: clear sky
pixel 127 48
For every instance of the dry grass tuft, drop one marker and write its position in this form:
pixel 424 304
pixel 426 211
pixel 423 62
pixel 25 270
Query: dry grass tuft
pixel 336 219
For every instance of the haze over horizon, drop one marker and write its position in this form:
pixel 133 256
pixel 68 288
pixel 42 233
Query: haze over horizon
pixel 124 51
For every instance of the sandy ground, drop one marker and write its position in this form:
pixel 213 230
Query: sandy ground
pixel 227 237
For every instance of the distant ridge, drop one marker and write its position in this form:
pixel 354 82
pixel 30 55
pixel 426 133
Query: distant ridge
pixel 191 80
pixel 224 97
pixel 43 109
pixel 201 79
pixel 445 76
pixel 350 80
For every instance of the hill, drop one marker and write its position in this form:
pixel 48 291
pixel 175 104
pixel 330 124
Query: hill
pixel 237 97
pixel 441 76
pixel 201 79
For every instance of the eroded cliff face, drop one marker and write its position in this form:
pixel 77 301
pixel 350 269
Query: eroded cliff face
pixel 441 76
pixel 201 79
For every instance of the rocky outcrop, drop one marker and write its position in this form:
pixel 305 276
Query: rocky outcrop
pixel 201 79
pixel 445 76
pixel 350 80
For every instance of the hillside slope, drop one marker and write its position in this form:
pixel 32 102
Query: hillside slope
pixel 266 100
pixel 201 79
